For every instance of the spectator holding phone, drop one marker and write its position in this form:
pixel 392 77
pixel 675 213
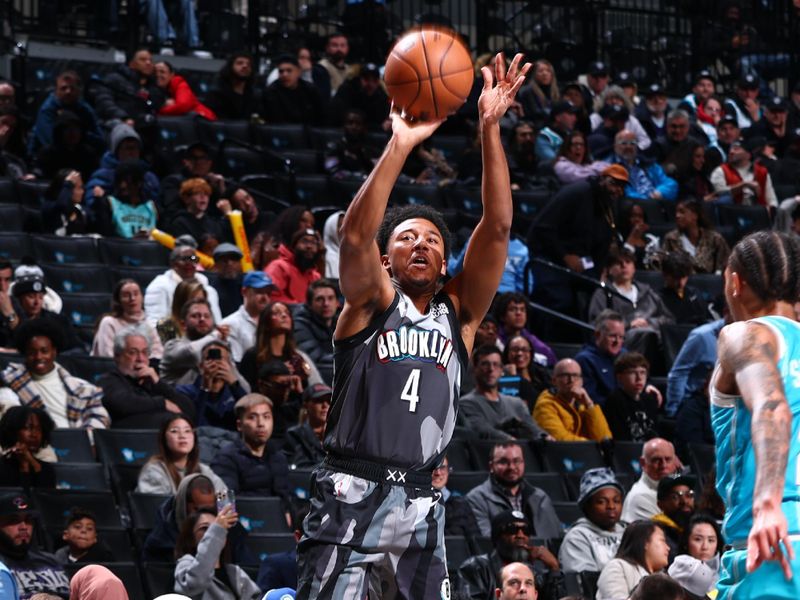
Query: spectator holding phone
pixel 178 456
pixel 204 570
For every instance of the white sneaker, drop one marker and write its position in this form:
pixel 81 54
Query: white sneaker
pixel 202 54
pixel 167 51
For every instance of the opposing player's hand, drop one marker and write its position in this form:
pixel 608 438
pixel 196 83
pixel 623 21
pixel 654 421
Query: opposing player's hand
pixel 500 88
pixel 769 531
pixel 411 133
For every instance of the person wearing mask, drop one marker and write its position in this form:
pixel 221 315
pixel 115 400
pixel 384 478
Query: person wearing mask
pixel 593 540
pixel 133 393
pixel 506 489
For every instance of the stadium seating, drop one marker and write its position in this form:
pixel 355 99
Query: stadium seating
pixel 261 514
pixel 58 249
pixel 144 509
pixel 8 193
pixel 14 245
pixel 85 309
pixel 122 446
pixel 80 477
pixel 572 457
pixel 12 217
pixel 77 278
pixel 132 253
pixel 54 506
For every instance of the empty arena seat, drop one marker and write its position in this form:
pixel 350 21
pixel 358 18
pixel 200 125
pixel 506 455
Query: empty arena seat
pixel 125 446
pixel 8 191
pixel 72 445
pixel 626 457
pixel 264 544
pixel 77 278
pixel 132 253
pixel 14 245
pixel 141 275
pixel 744 219
pixel 261 514
pixel 87 367
pixel 80 476
pixel 58 249
pixel 55 505
pixel 85 309
pixel 213 133
pixel 572 457
pixel 178 131
pixel 12 217
pixel 144 508
pixel 29 193
pixel 281 137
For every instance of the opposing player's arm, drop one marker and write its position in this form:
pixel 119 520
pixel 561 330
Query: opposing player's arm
pixel 364 283
pixel 748 352
pixel 473 289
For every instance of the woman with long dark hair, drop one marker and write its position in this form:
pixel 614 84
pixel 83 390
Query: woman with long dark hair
pixel 694 236
pixel 178 456
pixel 642 552
pixel 574 162
pixel 275 340
pixel 127 308
pixel 204 570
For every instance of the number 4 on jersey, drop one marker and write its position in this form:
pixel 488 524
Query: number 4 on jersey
pixel 411 390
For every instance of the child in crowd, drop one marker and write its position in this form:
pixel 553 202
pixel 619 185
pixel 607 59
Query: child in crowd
pixel 82 546
pixel 630 411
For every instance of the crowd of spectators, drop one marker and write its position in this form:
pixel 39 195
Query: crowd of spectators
pixel 230 370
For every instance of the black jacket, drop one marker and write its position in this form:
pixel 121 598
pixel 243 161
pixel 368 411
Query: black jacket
pixel 132 405
pixel 690 309
pixel 227 104
pixel 185 222
pixel 302 448
pixel 11 476
pixel 301 105
pixel 477 578
pixel 315 339
pixel 573 222
pixel 250 475
pixel 122 96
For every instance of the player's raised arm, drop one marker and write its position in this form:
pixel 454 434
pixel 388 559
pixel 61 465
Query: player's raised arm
pixel 748 352
pixel 363 281
pixel 474 288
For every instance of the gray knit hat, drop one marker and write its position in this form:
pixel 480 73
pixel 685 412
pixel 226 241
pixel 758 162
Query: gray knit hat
pixel 595 479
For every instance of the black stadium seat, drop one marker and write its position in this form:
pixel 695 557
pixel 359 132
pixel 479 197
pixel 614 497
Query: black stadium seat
pixel 8 191
pixel 58 249
pixel 744 219
pixel 132 253
pixel 90 368
pixel 144 508
pixel 281 137
pixel 429 195
pixel 710 285
pixel 673 335
pixel 461 482
pixel 83 310
pixel 76 278
pixel 141 275
pixel 12 217
pixel 551 483
pixel 54 506
pixel 14 245
pixel 236 161
pixel 626 458
pixel 178 131
pixel 261 514
pixel 213 133
pixel 80 476
pixel 572 457
pixel 124 479
pixel 125 446
pixel 264 544
pixel 72 445
pixel 159 578
pixel 29 193
pixel 568 513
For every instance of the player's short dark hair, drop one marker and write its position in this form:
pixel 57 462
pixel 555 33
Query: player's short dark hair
pixel 506 298
pixel 630 360
pixel 398 214
pixel 658 585
pixel 484 350
pixel 16 417
pixel 76 513
pixel 39 327
pixel 676 264
pixel 767 261
pixel 320 283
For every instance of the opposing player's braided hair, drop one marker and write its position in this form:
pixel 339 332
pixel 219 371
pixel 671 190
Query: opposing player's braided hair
pixel 769 262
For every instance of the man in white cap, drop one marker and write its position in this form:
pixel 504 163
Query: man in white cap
pixel 696 577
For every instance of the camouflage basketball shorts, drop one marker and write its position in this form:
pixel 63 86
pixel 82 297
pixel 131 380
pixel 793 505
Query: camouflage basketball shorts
pixel 364 539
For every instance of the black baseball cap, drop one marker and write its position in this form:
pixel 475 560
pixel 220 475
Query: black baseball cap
pixel 776 104
pixel 668 483
pixel 562 106
pixel 15 504
pixel 624 79
pixel 748 82
pixel 614 112
pixel 598 69
pixel 728 119
pixel 654 89
pixel 704 74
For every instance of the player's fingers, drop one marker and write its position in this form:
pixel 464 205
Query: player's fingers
pixel 500 66
pixel 514 68
pixel 786 565
pixel 488 80
pixel 787 543
pixel 753 558
pixel 520 80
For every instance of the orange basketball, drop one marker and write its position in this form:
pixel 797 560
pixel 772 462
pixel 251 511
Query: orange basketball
pixel 429 73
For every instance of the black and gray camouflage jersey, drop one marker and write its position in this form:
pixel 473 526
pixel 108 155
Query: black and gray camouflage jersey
pixel 396 386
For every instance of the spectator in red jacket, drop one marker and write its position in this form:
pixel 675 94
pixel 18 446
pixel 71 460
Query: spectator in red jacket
pixel 181 99
pixel 295 267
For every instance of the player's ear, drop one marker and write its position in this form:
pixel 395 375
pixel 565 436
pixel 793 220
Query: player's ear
pixel 443 270
pixel 385 264
pixel 736 283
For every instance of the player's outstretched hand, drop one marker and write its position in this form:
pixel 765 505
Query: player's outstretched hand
pixel 769 531
pixel 409 132
pixel 500 88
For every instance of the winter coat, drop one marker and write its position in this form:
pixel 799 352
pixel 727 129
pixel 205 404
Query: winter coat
pixel 184 101
pixel 568 424
pixel 618 579
pixel 586 547
pixel 122 96
pixel 315 339
pixel 291 283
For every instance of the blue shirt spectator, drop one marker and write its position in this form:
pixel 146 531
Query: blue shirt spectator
pixel 646 181
pixel 695 360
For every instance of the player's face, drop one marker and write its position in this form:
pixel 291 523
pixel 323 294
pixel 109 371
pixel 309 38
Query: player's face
pixel 702 543
pixel 604 508
pixel 610 337
pixel 508 465
pixel 518 583
pixel 415 255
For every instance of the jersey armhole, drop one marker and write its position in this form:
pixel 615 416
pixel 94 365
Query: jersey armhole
pixel 456 327
pixel 377 322
pixel 773 327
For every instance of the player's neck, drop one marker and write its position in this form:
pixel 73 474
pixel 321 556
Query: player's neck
pixel 779 309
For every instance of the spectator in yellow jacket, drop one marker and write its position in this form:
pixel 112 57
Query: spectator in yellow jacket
pixel 566 411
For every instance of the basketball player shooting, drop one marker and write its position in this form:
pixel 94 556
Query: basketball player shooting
pixel 376 526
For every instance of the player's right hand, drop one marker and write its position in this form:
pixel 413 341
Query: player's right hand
pixel 411 133
pixel 768 532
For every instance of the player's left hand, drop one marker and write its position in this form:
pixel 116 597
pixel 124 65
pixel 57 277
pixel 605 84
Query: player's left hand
pixel 769 531
pixel 500 88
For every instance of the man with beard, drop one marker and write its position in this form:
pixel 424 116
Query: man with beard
pixel 235 96
pixel 331 71
pixel 511 533
pixel 254 220
pixel 34 571
pixel 593 540
pixel 522 163
pixel 505 489
pixel 575 229
pixel 182 355
pixel 255 290
pixel 353 155
pixel 295 268
pixel 676 501
pixel 746 180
